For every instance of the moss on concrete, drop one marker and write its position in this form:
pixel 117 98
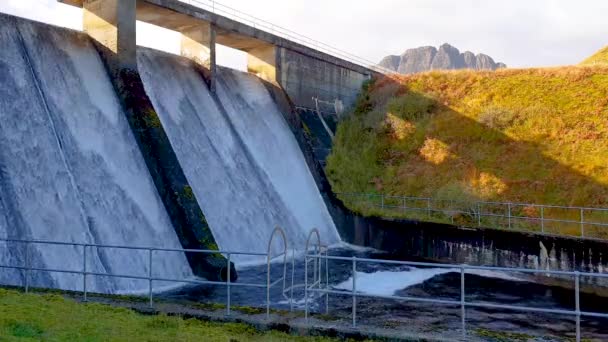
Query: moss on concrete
pixel 184 211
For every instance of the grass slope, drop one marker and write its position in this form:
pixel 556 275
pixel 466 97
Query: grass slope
pixel 530 135
pixel 599 58
pixel 31 317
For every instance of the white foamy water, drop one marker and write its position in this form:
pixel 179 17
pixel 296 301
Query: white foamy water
pixel 70 167
pixel 387 283
pixel 244 165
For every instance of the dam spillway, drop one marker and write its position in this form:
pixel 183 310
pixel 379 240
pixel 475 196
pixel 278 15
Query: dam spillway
pixel 70 168
pixel 237 152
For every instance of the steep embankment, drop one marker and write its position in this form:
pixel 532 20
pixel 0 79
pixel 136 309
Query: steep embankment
pixel 238 153
pixel 537 135
pixel 598 58
pixel 70 168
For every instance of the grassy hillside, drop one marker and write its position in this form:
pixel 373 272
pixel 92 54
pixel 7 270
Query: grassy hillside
pixel 31 317
pixel 599 58
pixel 532 135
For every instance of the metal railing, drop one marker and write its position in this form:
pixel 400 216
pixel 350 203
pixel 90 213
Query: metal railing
pixel 544 219
pixel 240 16
pixel 27 268
pixel 463 303
pixel 318 285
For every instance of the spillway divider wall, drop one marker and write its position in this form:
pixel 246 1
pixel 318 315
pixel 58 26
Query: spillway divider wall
pixel 167 174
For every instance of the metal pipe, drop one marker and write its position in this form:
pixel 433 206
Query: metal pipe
pixel 509 214
pixel 293 273
pixel 27 268
pixel 354 314
pixel 228 281
pixel 462 305
pixel 306 286
pixel 577 301
pixel 151 303
pixel 268 288
pixel 542 219
pixel 84 273
pixel 582 223
pixel 326 283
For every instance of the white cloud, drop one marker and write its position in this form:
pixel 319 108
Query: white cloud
pixel 518 32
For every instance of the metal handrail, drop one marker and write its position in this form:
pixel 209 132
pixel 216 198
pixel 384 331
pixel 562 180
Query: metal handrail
pixel 280 232
pixel 316 286
pixel 232 13
pixel 429 205
pixel 463 303
pixel 28 268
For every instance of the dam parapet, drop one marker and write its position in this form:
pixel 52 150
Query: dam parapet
pixel 302 71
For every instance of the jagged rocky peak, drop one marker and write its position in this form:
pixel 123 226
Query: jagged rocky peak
pixel 446 57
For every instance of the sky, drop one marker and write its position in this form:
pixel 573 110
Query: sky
pixel 520 33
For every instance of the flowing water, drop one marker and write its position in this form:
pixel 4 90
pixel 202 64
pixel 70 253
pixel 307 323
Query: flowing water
pixel 70 167
pixel 428 319
pixel 238 153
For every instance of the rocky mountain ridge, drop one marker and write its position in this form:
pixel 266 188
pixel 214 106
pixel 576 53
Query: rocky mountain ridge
pixel 446 57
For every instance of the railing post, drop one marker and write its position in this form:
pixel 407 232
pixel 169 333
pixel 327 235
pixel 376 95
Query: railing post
pixel 326 282
pixel 509 213
pixel 582 223
pixel 228 281
pixel 151 303
pixel 462 305
pixel 306 286
pixel 27 267
pixel 577 301
pixel 478 214
pixel 542 219
pixel 382 201
pixel 293 275
pixel 451 206
pixel 268 287
pixel 404 204
pixel 84 272
pixel 314 267
pixel 354 291
pixel 428 207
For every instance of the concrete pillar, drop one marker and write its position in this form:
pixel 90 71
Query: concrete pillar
pixel 264 61
pixel 112 24
pixel 198 44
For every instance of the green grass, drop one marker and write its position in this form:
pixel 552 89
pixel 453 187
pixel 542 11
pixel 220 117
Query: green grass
pixel 599 58
pixel 527 136
pixel 50 317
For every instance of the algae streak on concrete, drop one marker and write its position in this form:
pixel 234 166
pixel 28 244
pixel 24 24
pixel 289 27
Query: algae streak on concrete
pixel 239 154
pixel 70 166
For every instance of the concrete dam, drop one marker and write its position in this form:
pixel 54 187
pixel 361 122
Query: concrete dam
pixel 103 142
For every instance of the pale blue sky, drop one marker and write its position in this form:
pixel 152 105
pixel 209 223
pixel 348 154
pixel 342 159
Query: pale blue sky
pixel 520 33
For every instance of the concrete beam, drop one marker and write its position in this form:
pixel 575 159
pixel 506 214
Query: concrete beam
pixel 264 62
pixel 198 44
pixel 175 15
pixel 111 23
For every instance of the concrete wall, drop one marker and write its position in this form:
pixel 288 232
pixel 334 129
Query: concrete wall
pixel 488 247
pixel 304 77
